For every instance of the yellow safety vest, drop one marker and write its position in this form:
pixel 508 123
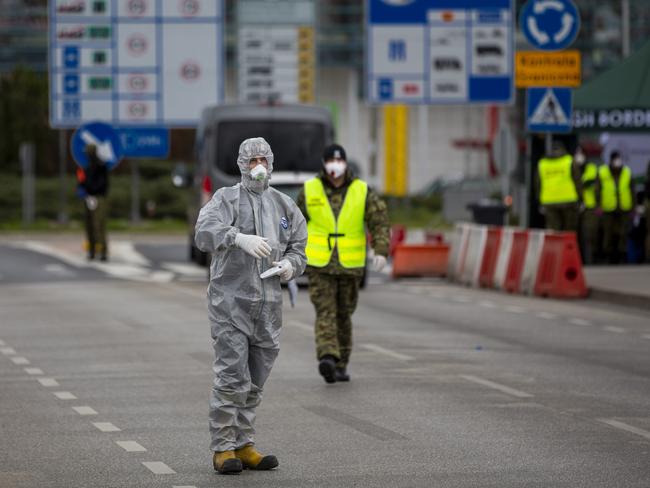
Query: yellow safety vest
pixel 611 197
pixel 324 232
pixel 556 181
pixel 589 193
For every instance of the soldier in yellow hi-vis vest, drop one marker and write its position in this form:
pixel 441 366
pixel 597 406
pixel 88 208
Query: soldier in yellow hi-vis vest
pixel 614 193
pixel 339 208
pixel 558 189
pixel 588 217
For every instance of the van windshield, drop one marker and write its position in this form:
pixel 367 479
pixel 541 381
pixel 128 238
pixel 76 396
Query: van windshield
pixel 296 146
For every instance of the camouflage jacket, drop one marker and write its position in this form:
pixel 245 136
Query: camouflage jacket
pixel 376 219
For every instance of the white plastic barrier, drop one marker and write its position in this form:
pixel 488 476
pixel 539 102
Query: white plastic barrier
pixel 476 239
pixel 504 258
pixel 531 264
pixel 458 250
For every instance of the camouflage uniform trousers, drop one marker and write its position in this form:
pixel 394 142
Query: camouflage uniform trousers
pixel 335 298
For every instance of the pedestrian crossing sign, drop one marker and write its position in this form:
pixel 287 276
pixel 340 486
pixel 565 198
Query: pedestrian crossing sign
pixel 549 109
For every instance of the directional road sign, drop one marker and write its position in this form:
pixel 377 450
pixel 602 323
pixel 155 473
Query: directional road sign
pixel 144 142
pixel 107 140
pixel 442 51
pixel 550 25
pixel 549 109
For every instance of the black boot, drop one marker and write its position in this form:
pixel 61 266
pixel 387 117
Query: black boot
pixel 341 375
pixel 327 368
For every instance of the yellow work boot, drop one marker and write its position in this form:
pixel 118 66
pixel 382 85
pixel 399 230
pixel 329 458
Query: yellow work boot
pixel 252 459
pixel 226 462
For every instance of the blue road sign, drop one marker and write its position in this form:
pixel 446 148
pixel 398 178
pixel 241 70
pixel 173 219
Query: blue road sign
pixel 550 25
pixel 144 142
pixel 549 109
pixel 440 51
pixel 107 140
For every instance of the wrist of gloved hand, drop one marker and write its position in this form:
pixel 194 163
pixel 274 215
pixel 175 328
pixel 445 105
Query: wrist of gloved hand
pixel 378 262
pixel 254 245
pixel 287 269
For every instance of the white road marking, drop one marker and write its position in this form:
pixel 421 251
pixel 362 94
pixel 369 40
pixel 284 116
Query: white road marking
pixel 2 343
pixel 186 269
pixel 20 360
pixel 301 326
pixel 616 330
pixel 7 351
pixel 48 382
pixel 157 467
pixel 387 352
pixel 126 251
pixel 460 299
pixel 160 277
pixel 626 427
pixel 130 446
pixel 546 315
pixel 85 410
pixel 576 321
pixel 64 395
pixel 106 427
pixel 33 371
pixel 486 304
pixel 514 309
pixel 496 386
pixel 58 269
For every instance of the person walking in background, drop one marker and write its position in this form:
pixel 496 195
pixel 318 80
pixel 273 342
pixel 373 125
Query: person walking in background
pixel 339 208
pixel 257 236
pixel 616 200
pixel 588 228
pixel 558 189
pixel 95 187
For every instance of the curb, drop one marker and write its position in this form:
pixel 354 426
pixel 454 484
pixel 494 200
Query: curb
pixel 617 298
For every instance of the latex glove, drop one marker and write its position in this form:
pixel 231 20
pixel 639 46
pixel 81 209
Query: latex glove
pixel 286 269
pixel 256 246
pixel 378 262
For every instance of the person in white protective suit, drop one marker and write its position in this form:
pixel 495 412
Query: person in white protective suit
pixel 251 229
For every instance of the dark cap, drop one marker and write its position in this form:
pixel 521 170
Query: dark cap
pixel 334 151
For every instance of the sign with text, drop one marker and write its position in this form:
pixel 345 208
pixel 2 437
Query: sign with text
pixel 541 68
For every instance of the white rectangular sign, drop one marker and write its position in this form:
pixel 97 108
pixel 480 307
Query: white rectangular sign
pixel 134 62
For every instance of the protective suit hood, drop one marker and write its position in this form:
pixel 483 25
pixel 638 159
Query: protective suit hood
pixel 249 149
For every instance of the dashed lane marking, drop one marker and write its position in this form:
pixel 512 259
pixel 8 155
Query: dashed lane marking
pixel 626 427
pixel 546 315
pixel 576 321
pixel 496 386
pixel 460 299
pixel 157 467
pixel 106 427
pixel 387 352
pixel 614 329
pixel 131 446
pixel 48 382
pixel 64 395
pixel 20 360
pixel 85 410
pixel 486 304
pixel 33 371
pixel 8 351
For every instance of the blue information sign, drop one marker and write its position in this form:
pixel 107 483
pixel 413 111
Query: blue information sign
pixel 440 51
pixel 550 25
pixel 549 109
pixel 104 137
pixel 145 142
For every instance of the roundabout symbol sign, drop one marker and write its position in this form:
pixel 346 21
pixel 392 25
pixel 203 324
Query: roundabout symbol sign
pixel 550 25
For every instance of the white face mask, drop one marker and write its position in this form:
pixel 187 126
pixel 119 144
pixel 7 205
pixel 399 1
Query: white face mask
pixel 580 158
pixel 335 169
pixel 259 173
pixel 617 162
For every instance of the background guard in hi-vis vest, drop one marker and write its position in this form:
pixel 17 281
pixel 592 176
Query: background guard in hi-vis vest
pixel 339 209
pixel 588 226
pixel 558 189
pixel 614 194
